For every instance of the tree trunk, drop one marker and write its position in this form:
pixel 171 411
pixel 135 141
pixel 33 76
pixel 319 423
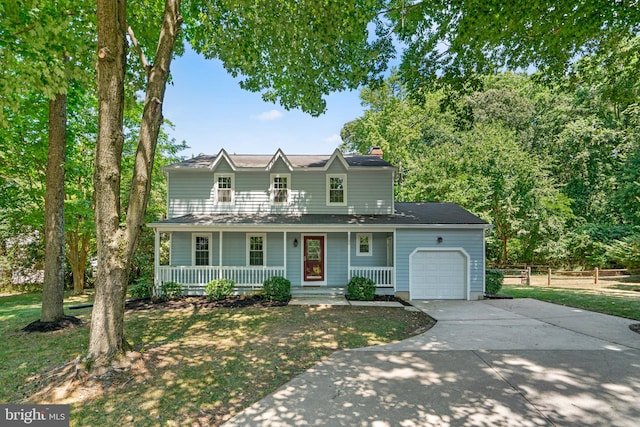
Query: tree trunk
pixel 107 335
pixel 78 244
pixel 116 245
pixel 53 288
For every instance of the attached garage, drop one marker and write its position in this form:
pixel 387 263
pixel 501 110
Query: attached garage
pixel 438 274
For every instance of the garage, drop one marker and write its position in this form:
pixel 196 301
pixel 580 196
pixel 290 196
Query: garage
pixel 438 274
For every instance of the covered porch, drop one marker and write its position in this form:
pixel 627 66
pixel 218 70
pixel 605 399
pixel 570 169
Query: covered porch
pixel 309 258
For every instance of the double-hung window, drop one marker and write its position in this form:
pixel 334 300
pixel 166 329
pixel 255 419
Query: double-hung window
pixel 224 188
pixel 201 249
pixel 336 190
pixel 256 249
pixel 364 244
pixel 280 186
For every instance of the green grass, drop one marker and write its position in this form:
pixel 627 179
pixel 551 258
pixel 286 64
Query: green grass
pixel 617 304
pixel 200 367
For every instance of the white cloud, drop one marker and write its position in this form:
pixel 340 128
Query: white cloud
pixel 270 115
pixel 333 139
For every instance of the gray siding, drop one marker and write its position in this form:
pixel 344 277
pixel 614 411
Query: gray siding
pixel 294 259
pixel 407 240
pixel 336 273
pixel 378 257
pixel 368 191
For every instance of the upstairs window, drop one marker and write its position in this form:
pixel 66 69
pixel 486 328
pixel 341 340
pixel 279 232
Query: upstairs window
pixel 363 244
pixel 256 245
pixel 201 249
pixel 280 189
pixel 336 185
pixel 224 188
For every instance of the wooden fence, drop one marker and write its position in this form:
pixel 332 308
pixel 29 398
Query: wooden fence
pixel 526 274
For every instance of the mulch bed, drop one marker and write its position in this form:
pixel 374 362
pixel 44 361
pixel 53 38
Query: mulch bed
pixel 635 328
pixel 65 322
pixel 204 302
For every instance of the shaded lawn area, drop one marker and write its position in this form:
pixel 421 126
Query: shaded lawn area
pixel 192 366
pixel 625 304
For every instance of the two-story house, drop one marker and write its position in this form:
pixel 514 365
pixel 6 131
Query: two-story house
pixel 317 220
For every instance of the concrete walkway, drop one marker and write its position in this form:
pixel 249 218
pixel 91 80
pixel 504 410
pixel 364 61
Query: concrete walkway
pixel 486 363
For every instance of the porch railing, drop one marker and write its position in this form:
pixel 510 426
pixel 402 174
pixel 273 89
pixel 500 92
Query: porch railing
pixel 381 276
pixel 199 276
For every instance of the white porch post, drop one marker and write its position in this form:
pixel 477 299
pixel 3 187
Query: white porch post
pixel 348 256
pixel 284 248
pixel 156 260
pixel 220 255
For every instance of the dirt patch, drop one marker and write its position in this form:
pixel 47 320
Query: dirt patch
pixel 65 322
pixel 204 302
pixel 635 328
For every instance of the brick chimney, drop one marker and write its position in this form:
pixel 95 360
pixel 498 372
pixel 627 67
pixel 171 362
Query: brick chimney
pixel 376 151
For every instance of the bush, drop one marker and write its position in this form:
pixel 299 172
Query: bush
pixel 361 289
pixel 219 289
pixel 277 288
pixel 171 290
pixel 493 281
pixel 140 290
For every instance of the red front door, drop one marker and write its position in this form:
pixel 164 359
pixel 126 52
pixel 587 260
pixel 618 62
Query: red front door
pixel 314 258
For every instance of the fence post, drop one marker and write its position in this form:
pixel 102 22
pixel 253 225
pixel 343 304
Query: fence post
pixel 596 276
pixel 529 276
pixel 548 276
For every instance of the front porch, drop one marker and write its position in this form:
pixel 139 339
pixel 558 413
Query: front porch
pixel 194 278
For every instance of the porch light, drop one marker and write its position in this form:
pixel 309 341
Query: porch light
pixel 439 240
pixel 295 243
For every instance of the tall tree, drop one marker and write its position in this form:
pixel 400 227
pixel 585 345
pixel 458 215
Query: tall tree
pixel 38 36
pixel 291 52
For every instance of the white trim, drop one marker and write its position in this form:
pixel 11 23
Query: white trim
pixel 324 260
pixel 264 248
pixel 337 154
pixel 348 250
pixel 279 154
pixel 320 227
pixel 370 239
pixel 272 190
pixel 344 189
pixel 216 176
pixel 284 251
pixel 220 249
pixel 467 279
pixel 484 263
pixel 222 154
pixel 193 247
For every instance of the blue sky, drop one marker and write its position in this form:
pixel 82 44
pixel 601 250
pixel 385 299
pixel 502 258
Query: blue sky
pixel 210 111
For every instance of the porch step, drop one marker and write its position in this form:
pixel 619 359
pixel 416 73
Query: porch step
pixel 318 292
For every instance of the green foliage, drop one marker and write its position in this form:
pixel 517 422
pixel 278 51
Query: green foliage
pixel 142 290
pixel 361 289
pixel 277 288
pixel 626 252
pixel 219 289
pixel 493 281
pixel 171 291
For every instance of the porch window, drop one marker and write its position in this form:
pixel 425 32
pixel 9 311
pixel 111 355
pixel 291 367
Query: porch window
pixel 280 188
pixel 202 249
pixel 336 185
pixel 224 188
pixel 256 249
pixel 364 243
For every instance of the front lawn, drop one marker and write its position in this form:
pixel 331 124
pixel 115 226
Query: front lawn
pixel 626 304
pixel 198 366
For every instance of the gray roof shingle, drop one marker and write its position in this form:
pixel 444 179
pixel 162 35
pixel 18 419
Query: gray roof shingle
pixel 427 213
pixel 296 160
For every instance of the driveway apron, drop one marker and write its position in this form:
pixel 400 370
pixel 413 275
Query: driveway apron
pixel 485 363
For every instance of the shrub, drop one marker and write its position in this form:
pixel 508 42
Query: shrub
pixel 140 290
pixel 361 289
pixel 171 290
pixel 277 288
pixel 219 289
pixel 493 281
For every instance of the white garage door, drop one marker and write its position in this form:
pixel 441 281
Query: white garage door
pixel 438 275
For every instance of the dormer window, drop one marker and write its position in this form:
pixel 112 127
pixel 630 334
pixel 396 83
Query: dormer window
pixel 336 190
pixel 280 188
pixel 224 188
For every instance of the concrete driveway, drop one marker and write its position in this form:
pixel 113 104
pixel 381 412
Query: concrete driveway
pixel 486 363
